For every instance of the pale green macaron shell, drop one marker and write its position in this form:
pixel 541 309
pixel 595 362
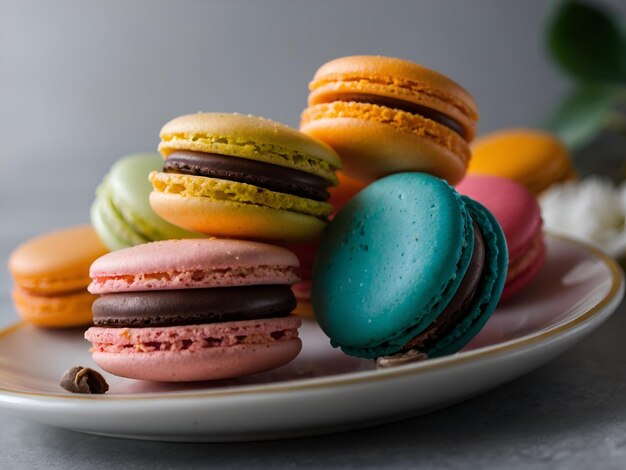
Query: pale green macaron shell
pixel 121 213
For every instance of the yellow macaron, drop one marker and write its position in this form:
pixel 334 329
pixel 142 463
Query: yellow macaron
pixel 51 273
pixel 243 176
pixel 536 159
pixel 385 115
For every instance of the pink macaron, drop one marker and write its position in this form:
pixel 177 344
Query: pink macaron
pixel 186 310
pixel 519 215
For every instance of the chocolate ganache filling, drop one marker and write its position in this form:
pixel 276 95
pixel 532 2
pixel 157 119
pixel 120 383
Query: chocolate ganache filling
pixel 193 306
pixel 406 106
pixel 243 170
pixel 461 301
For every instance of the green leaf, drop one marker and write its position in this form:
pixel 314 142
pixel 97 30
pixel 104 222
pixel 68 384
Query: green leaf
pixel 587 42
pixel 581 116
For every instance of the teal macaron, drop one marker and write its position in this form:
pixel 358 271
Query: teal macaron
pixel 408 265
pixel 121 212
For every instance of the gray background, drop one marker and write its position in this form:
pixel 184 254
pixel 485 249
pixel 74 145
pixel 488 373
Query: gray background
pixel 83 83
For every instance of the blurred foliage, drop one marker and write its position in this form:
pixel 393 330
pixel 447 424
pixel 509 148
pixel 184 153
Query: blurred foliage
pixel 582 115
pixel 588 42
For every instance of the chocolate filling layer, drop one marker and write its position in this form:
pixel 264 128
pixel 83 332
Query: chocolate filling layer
pixel 193 306
pixel 461 301
pixel 407 106
pixel 243 170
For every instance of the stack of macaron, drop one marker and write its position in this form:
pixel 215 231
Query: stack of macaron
pixel 214 308
pixel 418 116
pixel 408 269
pixel 183 310
pixel 386 115
pixel 240 176
pixel 395 263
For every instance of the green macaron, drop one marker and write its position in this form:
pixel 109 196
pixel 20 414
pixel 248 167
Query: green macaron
pixel 121 213
pixel 408 265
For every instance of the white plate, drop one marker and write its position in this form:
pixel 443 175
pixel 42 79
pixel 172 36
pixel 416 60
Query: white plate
pixel 322 390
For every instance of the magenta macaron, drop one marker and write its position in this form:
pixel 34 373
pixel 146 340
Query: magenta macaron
pixel 519 215
pixel 186 310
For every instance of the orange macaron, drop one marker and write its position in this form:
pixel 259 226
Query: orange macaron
pixel 346 189
pixel 51 273
pixel 385 115
pixel 535 159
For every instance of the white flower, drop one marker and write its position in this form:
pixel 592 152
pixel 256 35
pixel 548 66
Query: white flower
pixel 592 209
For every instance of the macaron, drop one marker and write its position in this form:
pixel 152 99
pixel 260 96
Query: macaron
pixel 51 274
pixel 535 159
pixel 243 177
pixel 408 267
pixel 345 190
pixel 385 115
pixel 199 309
pixel 339 196
pixel 121 212
pixel 518 213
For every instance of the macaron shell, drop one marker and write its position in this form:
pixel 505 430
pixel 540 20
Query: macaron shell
pixel 339 197
pixel 219 190
pixel 390 262
pixel 128 183
pixel 395 78
pixel 249 137
pixel 233 219
pixel 218 334
pixel 231 357
pixel 513 286
pixel 209 364
pixel 196 263
pixel 513 206
pixel 56 262
pixel 533 158
pixel 488 293
pixel 111 229
pixel 376 144
pixel 519 216
pixel 121 212
pixel 191 255
pixel 60 311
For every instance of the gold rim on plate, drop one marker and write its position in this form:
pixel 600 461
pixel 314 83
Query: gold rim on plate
pixel 373 375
